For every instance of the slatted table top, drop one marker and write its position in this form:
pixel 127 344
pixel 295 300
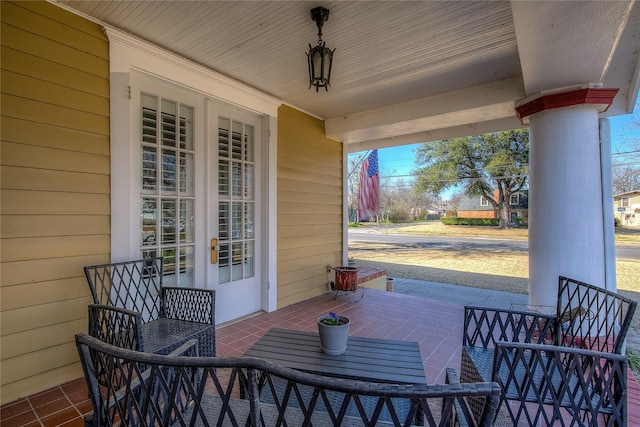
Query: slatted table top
pixel 371 359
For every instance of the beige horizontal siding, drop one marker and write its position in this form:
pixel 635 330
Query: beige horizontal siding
pixel 24 63
pixel 39 293
pixel 42 270
pixel 57 115
pixel 46 202
pixel 55 188
pixel 307 227
pixel 39 134
pixel 310 251
pixel 309 206
pixel 293 208
pixel 14 226
pixel 38 362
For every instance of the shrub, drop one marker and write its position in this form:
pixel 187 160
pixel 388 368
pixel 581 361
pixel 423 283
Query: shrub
pixel 633 359
pixel 399 214
pixel 470 221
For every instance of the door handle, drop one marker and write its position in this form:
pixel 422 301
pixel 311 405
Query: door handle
pixel 214 251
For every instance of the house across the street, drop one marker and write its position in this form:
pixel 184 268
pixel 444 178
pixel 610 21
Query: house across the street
pixel 626 207
pixel 480 207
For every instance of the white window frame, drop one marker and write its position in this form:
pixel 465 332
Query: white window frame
pixel 128 54
pixel 484 201
pixel 517 201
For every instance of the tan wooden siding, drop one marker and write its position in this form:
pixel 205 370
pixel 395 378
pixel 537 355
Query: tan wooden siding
pixel 55 184
pixel 309 206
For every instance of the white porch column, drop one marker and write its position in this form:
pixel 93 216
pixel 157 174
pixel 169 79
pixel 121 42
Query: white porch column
pixel 566 232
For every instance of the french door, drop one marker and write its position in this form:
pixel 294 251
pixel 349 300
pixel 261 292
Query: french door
pixel 197 199
pixel 234 213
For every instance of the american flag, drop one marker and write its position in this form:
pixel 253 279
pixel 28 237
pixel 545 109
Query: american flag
pixel 369 196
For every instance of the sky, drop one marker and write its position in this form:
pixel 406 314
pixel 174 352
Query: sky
pixel 398 162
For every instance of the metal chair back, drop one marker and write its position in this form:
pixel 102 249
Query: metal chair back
pixel 544 385
pixel 591 317
pixel 132 285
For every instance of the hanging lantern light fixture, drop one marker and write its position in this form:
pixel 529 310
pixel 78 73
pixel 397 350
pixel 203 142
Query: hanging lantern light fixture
pixel 320 57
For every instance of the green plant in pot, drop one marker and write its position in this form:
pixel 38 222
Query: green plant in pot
pixel 334 332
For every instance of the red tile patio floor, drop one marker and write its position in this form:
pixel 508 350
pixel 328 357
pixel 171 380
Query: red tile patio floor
pixel 436 326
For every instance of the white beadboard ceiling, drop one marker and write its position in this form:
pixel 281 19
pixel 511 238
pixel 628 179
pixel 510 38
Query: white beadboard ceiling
pixel 388 53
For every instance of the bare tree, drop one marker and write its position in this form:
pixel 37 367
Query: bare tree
pixel 626 162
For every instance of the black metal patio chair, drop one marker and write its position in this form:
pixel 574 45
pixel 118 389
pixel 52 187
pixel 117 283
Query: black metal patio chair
pixel 165 317
pixel 230 391
pixel 530 354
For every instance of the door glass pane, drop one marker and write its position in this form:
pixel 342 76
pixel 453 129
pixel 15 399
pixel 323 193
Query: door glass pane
pixel 186 127
pixel 169 123
pixel 149 118
pixel 149 168
pixel 168 222
pixel 223 177
pixel 236 261
pixel 223 220
pixel 223 264
pixel 170 271
pixel 149 222
pixel 248 220
pixel 169 171
pixel 236 221
pixel 186 171
pixel 223 138
pixel 185 221
pixel 248 143
pixel 167 186
pixel 236 140
pixel 249 258
pixel 236 179
pixel 236 192
pixel 186 266
pixel 248 182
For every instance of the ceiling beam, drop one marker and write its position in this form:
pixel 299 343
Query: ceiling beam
pixel 487 102
pixel 437 134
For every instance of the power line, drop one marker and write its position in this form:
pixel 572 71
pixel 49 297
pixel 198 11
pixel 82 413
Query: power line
pixel 624 153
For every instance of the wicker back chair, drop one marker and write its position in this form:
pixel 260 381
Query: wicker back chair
pixel 240 391
pixel 168 316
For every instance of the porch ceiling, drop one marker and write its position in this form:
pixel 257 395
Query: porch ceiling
pixel 404 71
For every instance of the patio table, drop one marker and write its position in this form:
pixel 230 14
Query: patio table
pixel 372 359
pixel 369 359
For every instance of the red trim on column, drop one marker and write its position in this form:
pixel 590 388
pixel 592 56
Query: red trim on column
pixel 593 95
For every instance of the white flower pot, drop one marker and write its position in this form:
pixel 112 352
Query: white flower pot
pixel 333 338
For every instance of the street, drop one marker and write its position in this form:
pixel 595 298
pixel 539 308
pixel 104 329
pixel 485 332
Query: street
pixel 463 243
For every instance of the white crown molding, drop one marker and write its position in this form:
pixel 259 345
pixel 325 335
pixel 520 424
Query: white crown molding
pixel 187 73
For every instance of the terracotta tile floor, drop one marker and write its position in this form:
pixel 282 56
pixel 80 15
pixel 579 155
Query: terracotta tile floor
pixel 436 326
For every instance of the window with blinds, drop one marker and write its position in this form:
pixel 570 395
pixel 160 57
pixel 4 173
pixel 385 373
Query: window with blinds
pixel 167 186
pixel 236 203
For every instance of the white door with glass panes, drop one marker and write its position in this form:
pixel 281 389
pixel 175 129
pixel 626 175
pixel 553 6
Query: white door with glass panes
pixel 234 212
pixel 197 198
